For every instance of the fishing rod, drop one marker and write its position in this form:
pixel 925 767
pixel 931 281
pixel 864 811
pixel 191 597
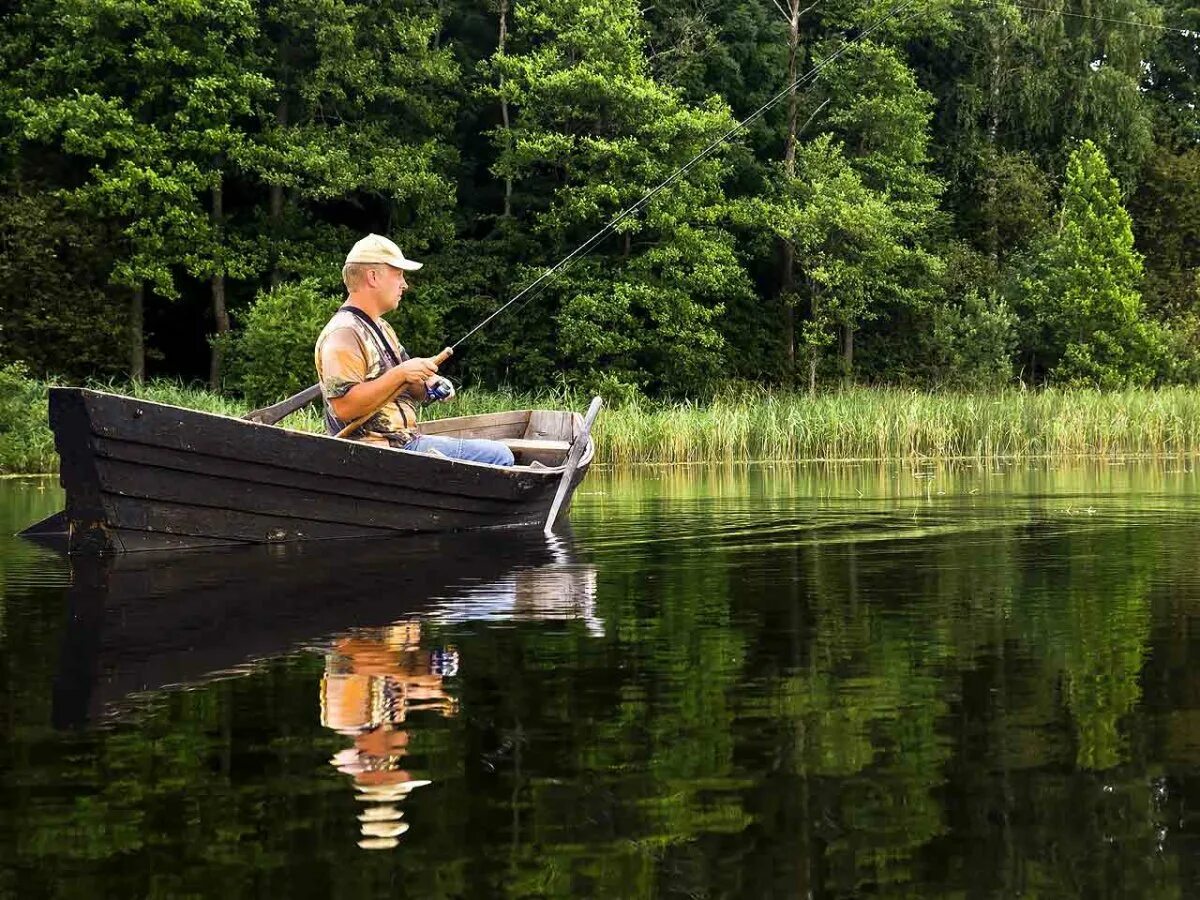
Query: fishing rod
pixel 271 415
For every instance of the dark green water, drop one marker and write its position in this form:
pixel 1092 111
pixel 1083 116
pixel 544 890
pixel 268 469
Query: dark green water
pixel 765 682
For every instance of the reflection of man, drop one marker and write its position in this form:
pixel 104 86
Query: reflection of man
pixel 372 680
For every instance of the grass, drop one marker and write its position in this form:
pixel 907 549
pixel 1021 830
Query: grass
pixel 864 423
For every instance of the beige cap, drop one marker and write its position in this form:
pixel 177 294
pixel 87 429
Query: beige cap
pixel 375 248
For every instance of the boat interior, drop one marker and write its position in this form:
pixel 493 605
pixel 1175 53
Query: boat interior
pixel 533 435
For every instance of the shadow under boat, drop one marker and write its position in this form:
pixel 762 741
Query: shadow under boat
pixel 151 622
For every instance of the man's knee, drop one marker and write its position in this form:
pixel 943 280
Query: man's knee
pixel 501 455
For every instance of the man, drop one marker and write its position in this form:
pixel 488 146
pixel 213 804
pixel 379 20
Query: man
pixel 361 364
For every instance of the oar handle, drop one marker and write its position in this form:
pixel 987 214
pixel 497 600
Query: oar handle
pixel 361 420
pixel 272 415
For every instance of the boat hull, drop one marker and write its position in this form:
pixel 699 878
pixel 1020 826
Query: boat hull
pixel 144 476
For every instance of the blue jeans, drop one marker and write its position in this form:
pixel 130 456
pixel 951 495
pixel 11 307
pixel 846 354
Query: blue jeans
pixel 473 449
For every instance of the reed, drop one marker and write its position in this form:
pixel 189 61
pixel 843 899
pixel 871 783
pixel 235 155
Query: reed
pixel 865 423
pixel 884 423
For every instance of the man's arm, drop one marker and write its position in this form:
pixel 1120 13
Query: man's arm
pixel 341 350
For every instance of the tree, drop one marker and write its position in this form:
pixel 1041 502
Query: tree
pixel 146 96
pixel 590 133
pixel 1167 226
pixel 1081 296
pixel 858 207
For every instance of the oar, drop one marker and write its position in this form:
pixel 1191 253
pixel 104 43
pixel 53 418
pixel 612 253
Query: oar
pixel 358 423
pixel 270 415
pixel 576 453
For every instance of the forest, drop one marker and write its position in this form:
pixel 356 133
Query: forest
pixel 974 194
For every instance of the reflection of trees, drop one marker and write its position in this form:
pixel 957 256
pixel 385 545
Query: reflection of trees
pixel 947 715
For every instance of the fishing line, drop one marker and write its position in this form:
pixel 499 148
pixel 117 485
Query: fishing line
pixel 1063 13
pixel 532 290
pixel 587 245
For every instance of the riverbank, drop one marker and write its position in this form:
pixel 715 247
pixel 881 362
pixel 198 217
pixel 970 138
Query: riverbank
pixel 863 423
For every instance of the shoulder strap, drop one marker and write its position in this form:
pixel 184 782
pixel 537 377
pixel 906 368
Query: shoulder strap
pixel 384 346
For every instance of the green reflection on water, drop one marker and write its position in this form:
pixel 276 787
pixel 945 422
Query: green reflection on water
pixel 766 681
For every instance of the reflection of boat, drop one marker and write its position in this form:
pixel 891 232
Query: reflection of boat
pixel 146 476
pixel 146 622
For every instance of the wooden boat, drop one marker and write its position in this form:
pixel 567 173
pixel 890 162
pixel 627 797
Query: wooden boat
pixel 147 476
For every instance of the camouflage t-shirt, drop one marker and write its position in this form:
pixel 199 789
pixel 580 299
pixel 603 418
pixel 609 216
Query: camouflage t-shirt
pixel 343 364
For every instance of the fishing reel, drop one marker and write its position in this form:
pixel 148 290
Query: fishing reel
pixel 440 388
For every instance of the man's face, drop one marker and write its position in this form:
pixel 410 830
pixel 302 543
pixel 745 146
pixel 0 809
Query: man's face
pixel 391 285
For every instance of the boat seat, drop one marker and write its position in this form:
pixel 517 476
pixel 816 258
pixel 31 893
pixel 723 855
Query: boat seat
pixel 526 450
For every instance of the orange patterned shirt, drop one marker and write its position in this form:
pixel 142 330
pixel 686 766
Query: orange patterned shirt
pixel 354 357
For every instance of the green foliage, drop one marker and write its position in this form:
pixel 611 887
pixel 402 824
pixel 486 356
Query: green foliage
pixel 592 132
pixel 1082 294
pixel 208 152
pixel 975 340
pixel 26 444
pixel 858 207
pixel 272 355
pixel 58 318
pixel 1167 227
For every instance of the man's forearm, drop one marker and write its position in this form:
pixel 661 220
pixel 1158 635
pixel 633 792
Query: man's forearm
pixel 367 396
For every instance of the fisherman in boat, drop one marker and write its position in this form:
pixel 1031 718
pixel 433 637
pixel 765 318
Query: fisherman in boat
pixel 361 363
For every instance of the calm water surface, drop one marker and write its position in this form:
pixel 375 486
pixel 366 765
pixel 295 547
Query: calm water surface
pixel 776 681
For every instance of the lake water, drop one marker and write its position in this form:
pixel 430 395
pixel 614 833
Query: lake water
pixel 767 681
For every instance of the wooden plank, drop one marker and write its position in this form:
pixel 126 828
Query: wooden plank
pixel 513 421
pixel 490 432
pixel 548 453
pixel 147 458
pixel 288 503
pixel 160 517
pixel 140 541
pixel 547 446
pixel 551 424
pixel 273 415
pixel 579 446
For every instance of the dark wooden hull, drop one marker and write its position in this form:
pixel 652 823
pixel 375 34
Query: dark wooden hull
pixel 145 476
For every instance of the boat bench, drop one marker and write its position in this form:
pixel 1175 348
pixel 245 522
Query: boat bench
pixel 526 450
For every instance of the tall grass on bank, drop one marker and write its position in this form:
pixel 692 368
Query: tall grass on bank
pixel 855 424
pixel 882 423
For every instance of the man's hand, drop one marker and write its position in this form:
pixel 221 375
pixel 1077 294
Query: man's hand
pixel 419 369
pixel 438 388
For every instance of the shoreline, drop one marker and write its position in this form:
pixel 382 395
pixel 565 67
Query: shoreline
pixel 836 461
pixel 855 425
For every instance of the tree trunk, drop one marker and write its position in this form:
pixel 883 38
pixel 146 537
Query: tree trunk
pixel 812 347
pixel 137 334
pixel 275 200
pixel 220 312
pixel 508 182
pixel 994 114
pixel 787 294
pixel 787 254
pixel 847 355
